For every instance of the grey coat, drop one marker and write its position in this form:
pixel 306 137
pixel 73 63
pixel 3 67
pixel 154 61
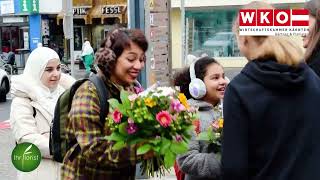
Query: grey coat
pixel 200 162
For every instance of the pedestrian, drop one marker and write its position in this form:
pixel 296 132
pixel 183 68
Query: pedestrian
pixel 119 63
pixel 35 93
pixel 271 114
pixel 312 41
pixel 87 56
pixel 203 83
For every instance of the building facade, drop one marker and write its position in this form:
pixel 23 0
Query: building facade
pixel 22 23
pixel 93 19
pixel 208 29
pixel 25 23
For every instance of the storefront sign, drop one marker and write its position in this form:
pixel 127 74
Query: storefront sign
pixel 12 20
pixel 6 7
pixel 111 9
pixel 26 40
pixel 29 6
pixel 78 11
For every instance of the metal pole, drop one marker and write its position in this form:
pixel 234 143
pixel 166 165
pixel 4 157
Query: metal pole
pixel 129 13
pixel 69 14
pixel 183 37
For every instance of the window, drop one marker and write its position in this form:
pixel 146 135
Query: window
pixel 210 32
pixel 77 38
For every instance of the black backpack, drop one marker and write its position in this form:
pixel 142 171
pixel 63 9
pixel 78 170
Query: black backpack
pixel 58 143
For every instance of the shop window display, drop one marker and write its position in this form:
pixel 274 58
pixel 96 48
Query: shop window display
pixel 210 32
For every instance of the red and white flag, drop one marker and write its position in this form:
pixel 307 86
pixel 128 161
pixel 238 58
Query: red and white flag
pixel 299 17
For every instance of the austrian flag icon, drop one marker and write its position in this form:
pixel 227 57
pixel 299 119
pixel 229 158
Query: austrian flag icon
pixel 273 21
pixel 300 17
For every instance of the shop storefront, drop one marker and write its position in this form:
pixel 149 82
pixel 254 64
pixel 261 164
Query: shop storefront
pixel 14 33
pixel 93 19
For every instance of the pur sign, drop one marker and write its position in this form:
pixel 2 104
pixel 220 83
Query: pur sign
pixel 265 22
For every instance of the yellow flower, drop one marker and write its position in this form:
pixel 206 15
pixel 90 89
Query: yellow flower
pixel 220 122
pixel 183 100
pixel 149 102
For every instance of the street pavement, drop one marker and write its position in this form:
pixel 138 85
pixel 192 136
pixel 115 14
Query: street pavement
pixel 7 143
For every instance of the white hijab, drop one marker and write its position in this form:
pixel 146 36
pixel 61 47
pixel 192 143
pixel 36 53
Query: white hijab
pixel 29 83
pixel 87 49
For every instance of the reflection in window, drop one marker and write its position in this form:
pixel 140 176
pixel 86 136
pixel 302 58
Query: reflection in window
pixel 210 32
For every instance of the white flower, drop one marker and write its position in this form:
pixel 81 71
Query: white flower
pixel 164 91
pixel 132 97
pixel 150 89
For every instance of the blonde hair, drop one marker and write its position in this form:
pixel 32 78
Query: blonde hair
pixel 282 48
pixel 314 37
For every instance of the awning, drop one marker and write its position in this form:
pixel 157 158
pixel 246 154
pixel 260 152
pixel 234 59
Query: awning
pixel 109 11
pixel 79 12
pixel 84 17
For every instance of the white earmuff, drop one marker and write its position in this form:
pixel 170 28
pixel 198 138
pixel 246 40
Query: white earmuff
pixel 197 88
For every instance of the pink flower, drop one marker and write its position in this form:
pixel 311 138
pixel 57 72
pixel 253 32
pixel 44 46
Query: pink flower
pixel 215 125
pixel 175 116
pixel 117 116
pixel 177 106
pixel 130 121
pixel 132 97
pixel 131 128
pixel 192 109
pixel 164 118
pixel 138 89
pixel 178 138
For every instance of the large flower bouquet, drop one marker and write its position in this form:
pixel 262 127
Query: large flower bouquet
pixel 158 121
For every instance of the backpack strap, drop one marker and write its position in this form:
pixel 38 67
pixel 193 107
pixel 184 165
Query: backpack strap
pixel 102 93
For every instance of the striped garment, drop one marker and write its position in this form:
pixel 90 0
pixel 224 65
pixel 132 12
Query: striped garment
pixel 96 160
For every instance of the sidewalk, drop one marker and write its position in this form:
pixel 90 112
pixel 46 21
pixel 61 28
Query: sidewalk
pixel 7 143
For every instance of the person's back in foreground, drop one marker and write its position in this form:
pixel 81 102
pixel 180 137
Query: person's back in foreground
pixel 271 113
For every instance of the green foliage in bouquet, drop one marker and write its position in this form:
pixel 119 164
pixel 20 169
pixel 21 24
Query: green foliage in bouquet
pixel 158 121
pixel 213 135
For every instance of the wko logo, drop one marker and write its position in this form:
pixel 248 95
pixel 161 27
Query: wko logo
pixel 265 22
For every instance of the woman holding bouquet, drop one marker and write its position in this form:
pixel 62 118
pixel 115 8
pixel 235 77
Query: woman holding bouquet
pixel 271 112
pixel 119 64
pixel 201 162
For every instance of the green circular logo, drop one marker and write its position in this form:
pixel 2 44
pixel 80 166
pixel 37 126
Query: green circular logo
pixel 26 157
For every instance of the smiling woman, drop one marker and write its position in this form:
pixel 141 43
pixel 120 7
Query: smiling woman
pixel 119 62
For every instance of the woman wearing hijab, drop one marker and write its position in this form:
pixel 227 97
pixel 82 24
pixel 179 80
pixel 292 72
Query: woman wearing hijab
pixel 87 56
pixel 35 93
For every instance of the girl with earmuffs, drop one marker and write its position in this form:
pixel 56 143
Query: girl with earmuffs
pixel 203 83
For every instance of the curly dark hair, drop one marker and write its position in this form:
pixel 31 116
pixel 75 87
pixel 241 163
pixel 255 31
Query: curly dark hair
pixel 113 46
pixel 182 78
